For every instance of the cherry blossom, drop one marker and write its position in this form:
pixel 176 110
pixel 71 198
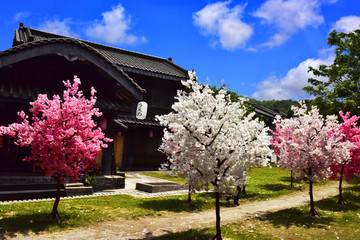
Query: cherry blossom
pixel 211 140
pixel 63 136
pixel 308 144
pixel 351 166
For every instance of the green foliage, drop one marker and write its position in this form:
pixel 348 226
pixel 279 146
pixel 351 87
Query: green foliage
pixel 282 106
pixel 341 91
pixel 234 96
pixel 90 180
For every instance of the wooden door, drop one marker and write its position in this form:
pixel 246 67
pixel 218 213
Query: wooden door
pixel 118 150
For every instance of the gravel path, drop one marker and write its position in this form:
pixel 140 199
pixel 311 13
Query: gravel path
pixel 145 228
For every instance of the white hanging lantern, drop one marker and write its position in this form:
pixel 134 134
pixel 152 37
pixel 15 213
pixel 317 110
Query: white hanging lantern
pixel 141 110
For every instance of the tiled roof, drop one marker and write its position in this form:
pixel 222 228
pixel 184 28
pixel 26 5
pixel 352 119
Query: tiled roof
pixel 127 60
pixel 120 124
pixel 43 41
pixel 127 120
pixel 28 93
pixel 265 112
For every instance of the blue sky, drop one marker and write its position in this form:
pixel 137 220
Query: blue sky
pixel 261 48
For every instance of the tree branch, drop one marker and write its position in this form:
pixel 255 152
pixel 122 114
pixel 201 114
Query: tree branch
pixel 218 132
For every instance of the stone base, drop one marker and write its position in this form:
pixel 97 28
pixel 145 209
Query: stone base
pixel 77 189
pixel 25 180
pixel 109 182
pixel 154 187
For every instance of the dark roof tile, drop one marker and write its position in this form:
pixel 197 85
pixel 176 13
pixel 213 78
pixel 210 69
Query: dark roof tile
pixel 28 93
pixel 265 112
pixel 127 120
pixel 69 40
pixel 129 60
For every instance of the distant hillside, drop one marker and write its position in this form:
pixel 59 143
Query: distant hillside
pixel 277 105
pixel 283 106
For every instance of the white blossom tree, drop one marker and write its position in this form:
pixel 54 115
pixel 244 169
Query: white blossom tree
pixel 212 140
pixel 308 144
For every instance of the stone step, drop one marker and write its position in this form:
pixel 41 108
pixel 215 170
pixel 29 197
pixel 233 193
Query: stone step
pixel 30 194
pixel 109 182
pixel 27 186
pixel 79 190
pixel 155 187
pixel 75 184
pixel 4 180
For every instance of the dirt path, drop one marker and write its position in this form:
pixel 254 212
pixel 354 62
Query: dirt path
pixel 144 228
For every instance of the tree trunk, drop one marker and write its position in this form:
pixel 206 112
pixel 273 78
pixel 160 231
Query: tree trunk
pixel 291 179
pixel 218 229
pixel 189 195
pixel 313 212
pixel 55 214
pixel 341 201
pixel 237 196
pixel 243 190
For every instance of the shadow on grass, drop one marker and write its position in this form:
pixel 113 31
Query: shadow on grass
pixel 276 186
pixel 355 188
pixel 200 202
pixel 24 223
pixel 288 180
pixel 284 184
pixel 351 203
pixel 190 234
pixel 298 217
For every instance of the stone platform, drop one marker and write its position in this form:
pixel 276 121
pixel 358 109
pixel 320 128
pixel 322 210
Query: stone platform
pixel 109 182
pixel 154 187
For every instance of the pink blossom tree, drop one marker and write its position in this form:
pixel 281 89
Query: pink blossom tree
pixel 211 140
pixel 63 136
pixel 308 145
pixel 348 167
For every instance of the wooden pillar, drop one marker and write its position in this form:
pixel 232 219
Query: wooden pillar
pixel 118 150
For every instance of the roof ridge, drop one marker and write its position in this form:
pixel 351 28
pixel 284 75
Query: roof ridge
pixel 76 41
pixel 167 61
pixel 108 46
pixel 266 108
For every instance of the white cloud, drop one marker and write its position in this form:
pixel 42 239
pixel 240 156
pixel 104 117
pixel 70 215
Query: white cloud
pixel 218 20
pixel 20 16
pixel 290 86
pixel 58 27
pixel 332 1
pixel 347 24
pixel 113 28
pixel 289 16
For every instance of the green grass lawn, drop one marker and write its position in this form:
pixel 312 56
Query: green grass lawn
pixel 264 183
pixel 34 216
pixel 335 222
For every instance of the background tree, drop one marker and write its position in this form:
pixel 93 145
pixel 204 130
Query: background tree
pixel 215 140
pixel 282 106
pixel 341 90
pixel 351 166
pixel 308 145
pixel 63 136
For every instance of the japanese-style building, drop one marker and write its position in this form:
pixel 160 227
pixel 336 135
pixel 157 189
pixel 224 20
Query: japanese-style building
pixel 38 62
